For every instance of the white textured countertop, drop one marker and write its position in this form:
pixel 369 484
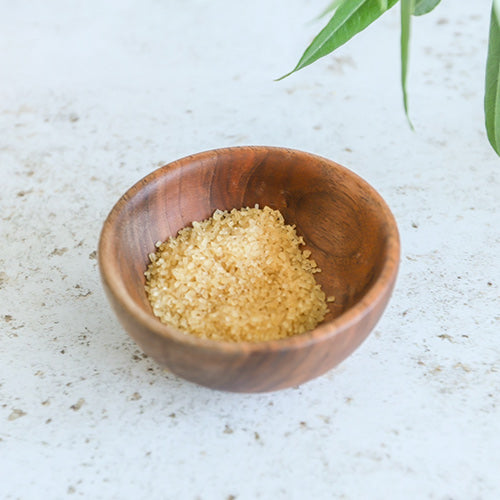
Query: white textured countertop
pixel 93 96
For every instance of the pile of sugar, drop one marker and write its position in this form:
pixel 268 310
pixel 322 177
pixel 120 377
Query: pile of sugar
pixel 237 276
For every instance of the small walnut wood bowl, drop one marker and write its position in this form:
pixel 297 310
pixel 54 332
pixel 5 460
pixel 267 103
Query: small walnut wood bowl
pixel 347 226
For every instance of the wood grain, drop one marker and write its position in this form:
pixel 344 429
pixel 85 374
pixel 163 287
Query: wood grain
pixel 347 226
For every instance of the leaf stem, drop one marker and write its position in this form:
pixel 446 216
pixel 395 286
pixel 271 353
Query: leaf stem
pixel 406 10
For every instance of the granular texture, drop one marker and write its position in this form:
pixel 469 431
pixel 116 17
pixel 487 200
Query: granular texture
pixel 237 276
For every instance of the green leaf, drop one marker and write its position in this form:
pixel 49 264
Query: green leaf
pixel 492 91
pixel 424 6
pixel 406 10
pixel 349 19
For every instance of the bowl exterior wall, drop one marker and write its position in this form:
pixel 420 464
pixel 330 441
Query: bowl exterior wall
pixel 265 370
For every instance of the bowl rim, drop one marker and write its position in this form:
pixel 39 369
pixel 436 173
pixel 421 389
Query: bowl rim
pixel 377 291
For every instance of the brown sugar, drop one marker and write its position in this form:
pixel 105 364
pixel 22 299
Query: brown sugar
pixel 237 276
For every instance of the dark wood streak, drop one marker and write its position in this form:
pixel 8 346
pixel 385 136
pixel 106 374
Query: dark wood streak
pixel 351 234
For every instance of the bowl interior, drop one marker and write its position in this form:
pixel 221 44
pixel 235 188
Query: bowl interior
pixel 344 222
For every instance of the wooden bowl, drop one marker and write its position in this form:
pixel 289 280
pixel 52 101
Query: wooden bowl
pixel 346 224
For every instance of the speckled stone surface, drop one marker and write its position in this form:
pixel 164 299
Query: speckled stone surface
pixel 93 96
